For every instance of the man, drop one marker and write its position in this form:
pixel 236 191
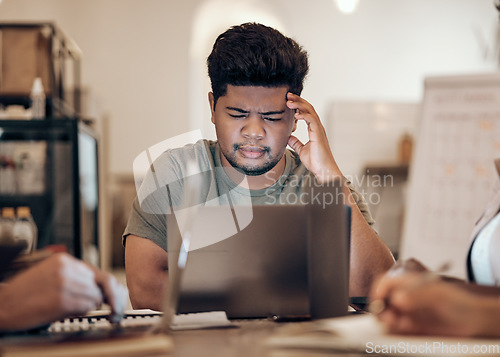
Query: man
pixel 57 287
pixel 257 76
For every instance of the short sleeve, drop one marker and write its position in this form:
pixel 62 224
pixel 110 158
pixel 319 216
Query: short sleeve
pixel 146 225
pixel 361 203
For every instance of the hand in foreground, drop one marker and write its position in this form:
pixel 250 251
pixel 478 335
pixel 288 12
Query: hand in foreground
pixel 419 303
pixel 316 153
pixel 55 288
pixel 115 294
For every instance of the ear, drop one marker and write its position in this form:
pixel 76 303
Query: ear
pixel 295 125
pixel 211 101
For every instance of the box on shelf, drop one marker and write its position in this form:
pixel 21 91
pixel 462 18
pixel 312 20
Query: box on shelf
pixel 39 50
pixel 26 53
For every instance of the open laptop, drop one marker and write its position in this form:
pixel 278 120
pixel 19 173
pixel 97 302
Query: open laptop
pixel 288 261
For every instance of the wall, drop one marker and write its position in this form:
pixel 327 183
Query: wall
pixel 134 63
pixel 136 58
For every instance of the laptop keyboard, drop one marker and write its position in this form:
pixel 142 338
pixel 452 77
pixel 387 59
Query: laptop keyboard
pixel 98 321
pixel 139 319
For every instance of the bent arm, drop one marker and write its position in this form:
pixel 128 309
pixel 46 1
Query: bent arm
pixel 370 256
pixel 146 268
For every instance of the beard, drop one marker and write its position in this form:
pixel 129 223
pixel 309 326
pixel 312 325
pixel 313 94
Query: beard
pixel 251 170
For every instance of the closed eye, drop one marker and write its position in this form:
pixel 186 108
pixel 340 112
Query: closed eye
pixel 272 119
pixel 237 116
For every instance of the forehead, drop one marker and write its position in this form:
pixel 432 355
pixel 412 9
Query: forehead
pixel 255 98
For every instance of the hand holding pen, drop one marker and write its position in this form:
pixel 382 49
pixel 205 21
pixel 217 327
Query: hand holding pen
pixel 420 302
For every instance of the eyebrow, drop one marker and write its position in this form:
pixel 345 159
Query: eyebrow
pixel 239 110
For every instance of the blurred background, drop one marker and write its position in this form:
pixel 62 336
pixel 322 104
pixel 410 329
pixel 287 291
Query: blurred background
pixel 143 78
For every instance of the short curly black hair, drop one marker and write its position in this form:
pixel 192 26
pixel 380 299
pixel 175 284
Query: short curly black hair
pixel 253 54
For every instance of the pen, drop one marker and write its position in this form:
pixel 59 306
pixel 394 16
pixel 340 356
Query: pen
pixel 291 318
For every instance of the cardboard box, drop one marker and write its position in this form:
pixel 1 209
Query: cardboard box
pixel 25 53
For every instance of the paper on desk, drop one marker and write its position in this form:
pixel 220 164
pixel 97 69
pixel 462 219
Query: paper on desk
pixel 201 320
pixel 363 334
pixel 191 321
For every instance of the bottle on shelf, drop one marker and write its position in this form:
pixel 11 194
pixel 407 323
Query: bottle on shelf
pixel 25 230
pixel 7 220
pixel 405 148
pixel 7 169
pixel 37 99
pixel 30 174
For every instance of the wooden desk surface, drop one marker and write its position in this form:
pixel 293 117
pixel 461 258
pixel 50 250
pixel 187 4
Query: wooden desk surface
pixel 245 340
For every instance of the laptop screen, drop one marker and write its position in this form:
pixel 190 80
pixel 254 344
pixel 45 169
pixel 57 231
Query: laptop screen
pixel 263 269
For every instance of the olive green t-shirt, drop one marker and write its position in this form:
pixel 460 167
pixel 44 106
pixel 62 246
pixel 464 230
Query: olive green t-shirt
pixel 162 190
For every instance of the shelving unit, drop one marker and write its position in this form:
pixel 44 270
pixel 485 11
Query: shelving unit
pixel 66 211
pixel 61 185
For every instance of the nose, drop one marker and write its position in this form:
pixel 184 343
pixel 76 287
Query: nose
pixel 253 128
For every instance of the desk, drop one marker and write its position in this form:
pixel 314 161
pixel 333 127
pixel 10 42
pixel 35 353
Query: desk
pixel 246 340
pixel 346 336
pixel 353 335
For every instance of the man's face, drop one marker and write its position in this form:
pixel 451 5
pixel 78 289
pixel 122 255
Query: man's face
pixel 253 125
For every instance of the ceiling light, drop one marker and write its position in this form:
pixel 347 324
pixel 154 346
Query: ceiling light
pixel 347 6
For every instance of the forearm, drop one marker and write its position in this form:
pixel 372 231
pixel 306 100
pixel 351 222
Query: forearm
pixel 6 313
pixel 146 292
pixel 146 267
pixel 483 290
pixel 22 308
pixel 370 256
pixel 488 316
pixel 16 313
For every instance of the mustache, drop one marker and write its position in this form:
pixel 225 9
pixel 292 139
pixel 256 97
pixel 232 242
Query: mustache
pixel 266 149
